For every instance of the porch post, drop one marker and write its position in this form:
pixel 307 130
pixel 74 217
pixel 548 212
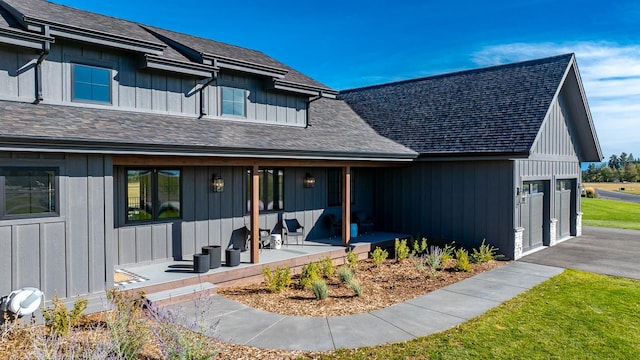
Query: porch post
pixel 346 205
pixel 255 214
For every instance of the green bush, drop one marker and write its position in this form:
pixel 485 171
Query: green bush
pixel 320 289
pixel 484 254
pixel 419 247
pixel 379 256
pixel 310 273
pixel 419 262
pixel 345 274
pixel 352 259
pixel 127 327
pixel 590 192
pixel 462 260
pixel 401 249
pixel 277 280
pixel 326 267
pixel 355 286
pixel 447 253
pixel 59 320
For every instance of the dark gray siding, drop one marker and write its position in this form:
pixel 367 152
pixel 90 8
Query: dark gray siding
pixel 210 218
pixel 67 254
pixel 463 201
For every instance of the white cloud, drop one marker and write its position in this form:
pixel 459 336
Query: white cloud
pixel 611 77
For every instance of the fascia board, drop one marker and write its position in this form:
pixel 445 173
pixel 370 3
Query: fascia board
pixel 22 39
pixel 153 62
pixel 245 66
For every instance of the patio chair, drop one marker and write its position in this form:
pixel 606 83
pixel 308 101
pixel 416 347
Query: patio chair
pixel 335 225
pixel 292 228
pixel 365 222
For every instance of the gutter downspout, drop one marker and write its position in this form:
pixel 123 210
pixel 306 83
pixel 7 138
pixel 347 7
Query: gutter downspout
pixel 43 55
pixel 203 110
pixel 318 97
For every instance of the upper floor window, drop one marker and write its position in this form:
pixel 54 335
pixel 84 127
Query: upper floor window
pixel 233 101
pixel 28 191
pixel 91 84
pixel 271 189
pixel 153 194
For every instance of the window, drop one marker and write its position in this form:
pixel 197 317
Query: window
pixel 91 84
pixel 334 187
pixel 271 193
pixel 29 191
pixel 153 194
pixel 233 101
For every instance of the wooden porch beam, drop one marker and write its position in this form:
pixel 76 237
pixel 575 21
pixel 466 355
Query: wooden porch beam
pixel 255 214
pixel 173 160
pixel 346 205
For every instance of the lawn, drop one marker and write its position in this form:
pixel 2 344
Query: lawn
pixel 610 213
pixel 575 315
pixel 631 188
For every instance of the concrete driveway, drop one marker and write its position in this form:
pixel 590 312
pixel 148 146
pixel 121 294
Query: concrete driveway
pixel 599 250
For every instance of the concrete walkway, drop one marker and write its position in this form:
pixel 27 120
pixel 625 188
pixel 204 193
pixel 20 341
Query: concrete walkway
pixel 430 313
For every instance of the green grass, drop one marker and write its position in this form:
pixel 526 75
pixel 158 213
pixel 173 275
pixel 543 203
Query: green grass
pixel 575 315
pixel 610 213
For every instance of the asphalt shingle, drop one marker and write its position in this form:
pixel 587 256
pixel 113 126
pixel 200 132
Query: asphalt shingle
pixel 492 110
pixel 334 131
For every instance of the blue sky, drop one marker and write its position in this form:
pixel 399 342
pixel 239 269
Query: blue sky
pixel 352 43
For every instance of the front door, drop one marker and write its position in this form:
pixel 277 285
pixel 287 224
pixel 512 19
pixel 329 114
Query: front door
pixel 532 215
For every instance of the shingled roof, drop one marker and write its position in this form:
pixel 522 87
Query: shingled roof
pixel 335 131
pixel 50 13
pixel 494 110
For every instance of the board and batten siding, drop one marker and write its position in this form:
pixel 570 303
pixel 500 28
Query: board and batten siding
pixel 17 76
pixel 553 158
pixel 461 201
pixel 262 106
pixel 210 218
pixel 65 255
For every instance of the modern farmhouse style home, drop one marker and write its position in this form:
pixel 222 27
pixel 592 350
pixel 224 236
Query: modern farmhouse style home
pixel 123 145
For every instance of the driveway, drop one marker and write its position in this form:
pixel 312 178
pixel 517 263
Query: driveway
pixel 620 196
pixel 599 250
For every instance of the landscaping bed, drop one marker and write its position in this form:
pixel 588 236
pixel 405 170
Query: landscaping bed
pixel 390 283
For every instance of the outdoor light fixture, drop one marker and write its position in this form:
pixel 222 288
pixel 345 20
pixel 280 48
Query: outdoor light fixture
pixel 217 183
pixel 309 181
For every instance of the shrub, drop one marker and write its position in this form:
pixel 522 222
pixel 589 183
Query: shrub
pixel 277 280
pixel 379 256
pixel 355 286
pixel 127 328
pixel 320 289
pixel 59 319
pixel 419 246
pixel 401 249
pixel 447 253
pixel 484 254
pixel 310 273
pixel 419 262
pixel 590 192
pixel 326 267
pixel 352 259
pixel 434 259
pixel 345 274
pixel 462 260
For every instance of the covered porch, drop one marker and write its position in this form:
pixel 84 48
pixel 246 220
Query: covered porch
pixel 171 276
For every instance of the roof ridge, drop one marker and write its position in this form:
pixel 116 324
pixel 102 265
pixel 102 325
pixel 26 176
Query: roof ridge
pixel 460 72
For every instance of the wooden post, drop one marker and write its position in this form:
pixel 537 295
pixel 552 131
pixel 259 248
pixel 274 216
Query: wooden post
pixel 255 214
pixel 346 205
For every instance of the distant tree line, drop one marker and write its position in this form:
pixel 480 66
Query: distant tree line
pixel 619 168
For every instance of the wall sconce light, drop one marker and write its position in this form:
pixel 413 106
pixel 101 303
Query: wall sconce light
pixel 309 181
pixel 217 183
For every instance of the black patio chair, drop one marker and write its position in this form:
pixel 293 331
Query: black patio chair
pixel 292 228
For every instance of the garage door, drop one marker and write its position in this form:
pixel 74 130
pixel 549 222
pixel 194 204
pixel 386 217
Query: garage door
pixel 563 208
pixel 532 215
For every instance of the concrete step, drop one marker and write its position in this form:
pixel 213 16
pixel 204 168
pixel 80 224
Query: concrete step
pixel 181 294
